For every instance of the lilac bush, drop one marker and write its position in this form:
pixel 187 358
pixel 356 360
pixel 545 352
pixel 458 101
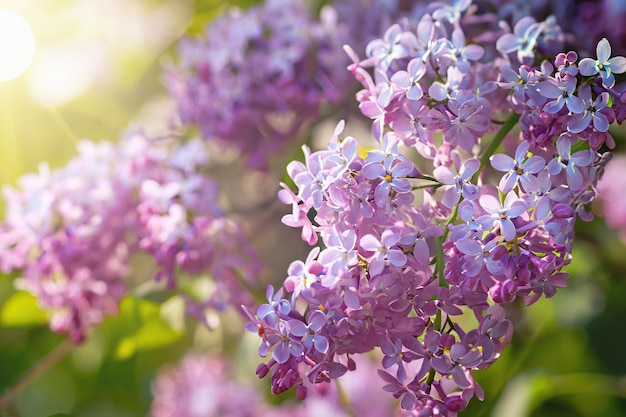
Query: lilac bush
pixel 439 223
pixel 491 135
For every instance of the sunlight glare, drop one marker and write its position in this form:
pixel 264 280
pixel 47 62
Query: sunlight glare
pixel 17 45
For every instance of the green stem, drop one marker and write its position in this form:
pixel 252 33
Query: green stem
pixel 495 143
pixel 440 264
pixel 440 260
pixel 40 368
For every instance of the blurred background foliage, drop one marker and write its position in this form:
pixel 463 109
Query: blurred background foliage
pixel 98 70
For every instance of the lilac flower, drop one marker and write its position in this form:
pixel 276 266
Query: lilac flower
pixel 301 275
pixel 603 65
pixel 592 112
pixel 435 94
pixel 399 390
pixel 523 40
pixel 395 355
pixel 461 54
pixel 284 346
pixel 294 56
pixel 519 169
pixel 570 163
pixel 563 93
pixel 200 386
pixel 391 178
pixel 299 215
pixel 468 122
pixel 501 215
pixel 565 64
pixel 479 254
pixel 339 256
pixel 610 192
pixel 277 306
pixel 520 83
pixel 383 251
pixel 458 185
pixel 409 80
pixel 396 44
pixel 311 339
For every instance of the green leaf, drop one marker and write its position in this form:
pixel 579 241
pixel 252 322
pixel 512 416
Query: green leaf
pixel 143 328
pixel 21 310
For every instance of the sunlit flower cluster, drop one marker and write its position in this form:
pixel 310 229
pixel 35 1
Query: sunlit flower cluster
pixel 72 231
pixel 438 223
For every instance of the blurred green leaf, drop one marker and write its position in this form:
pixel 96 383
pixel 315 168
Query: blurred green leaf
pixel 144 328
pixel 21 310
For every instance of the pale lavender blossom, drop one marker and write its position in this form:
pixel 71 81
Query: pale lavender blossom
pixel 603 64
pixel 592 114
pixel 572 164
pixel 519 170
pixel 384 251
pixel 502 214
pixel 460 185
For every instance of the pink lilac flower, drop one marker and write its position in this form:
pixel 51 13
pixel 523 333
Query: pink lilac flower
pixel 72 250
pixel 200 386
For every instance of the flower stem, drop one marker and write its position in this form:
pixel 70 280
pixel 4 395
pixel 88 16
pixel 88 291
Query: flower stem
pixel 51 359
pixel 497 140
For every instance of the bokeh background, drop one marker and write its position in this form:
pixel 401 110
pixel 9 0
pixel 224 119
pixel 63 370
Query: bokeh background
pixel 98 69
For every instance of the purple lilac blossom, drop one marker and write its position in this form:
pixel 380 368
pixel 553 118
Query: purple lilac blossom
pixel 256 77
pixel 203 385
pixel 490 236
pixel 72 231
pixel 584 22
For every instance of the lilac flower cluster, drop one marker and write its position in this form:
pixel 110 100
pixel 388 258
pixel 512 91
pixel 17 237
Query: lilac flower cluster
pixel 435 224
pixel 203 385
pixel 72 231
pixel 257 76
pixel 584 21
pixel 200 386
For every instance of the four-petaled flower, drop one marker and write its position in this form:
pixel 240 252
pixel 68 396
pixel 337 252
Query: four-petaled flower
pixel 570 162
pixel 458 185
pixel 384 250
pixel 502 215
pixel 603 65
pixel 519 169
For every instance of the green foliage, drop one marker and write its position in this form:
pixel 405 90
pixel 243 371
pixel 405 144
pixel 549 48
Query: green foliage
pixel 21 310
pixel 138 327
